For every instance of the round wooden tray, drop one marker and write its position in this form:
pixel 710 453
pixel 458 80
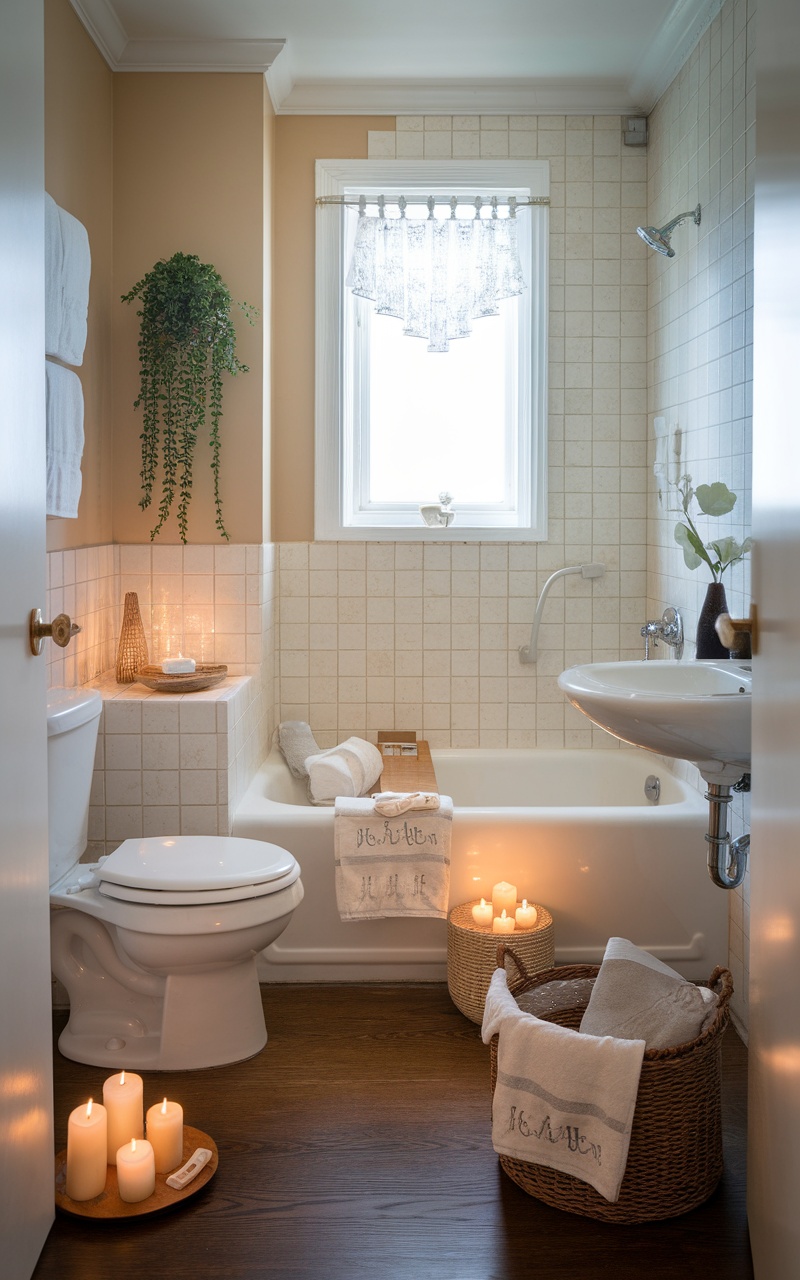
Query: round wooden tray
pixel 204 676
pixel 108 1205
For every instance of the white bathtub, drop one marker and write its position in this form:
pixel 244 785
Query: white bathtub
pixel 572 829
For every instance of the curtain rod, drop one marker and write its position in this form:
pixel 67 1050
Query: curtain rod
pixel 491 202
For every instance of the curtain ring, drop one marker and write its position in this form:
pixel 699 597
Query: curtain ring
pixel 431 206
pixel 381 206
pixel 401 204
pixel 512 206
pixel 453 203
pixel 362 206
pixel 478 206
pixel 494 206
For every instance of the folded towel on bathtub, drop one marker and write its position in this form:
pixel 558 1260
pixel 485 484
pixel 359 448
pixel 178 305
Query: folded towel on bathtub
pixel 562 1099
pixel 351 769
pixel 635 996
pixel 297 743
pixel 390 804
pixel 391 866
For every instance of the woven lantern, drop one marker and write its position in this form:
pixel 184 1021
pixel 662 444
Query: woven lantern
pixel 132 651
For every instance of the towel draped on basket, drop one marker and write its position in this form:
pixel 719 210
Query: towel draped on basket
pixel 392 865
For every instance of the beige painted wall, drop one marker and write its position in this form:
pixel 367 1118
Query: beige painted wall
pixel 78 175
pixel 189 175
pixel 299 141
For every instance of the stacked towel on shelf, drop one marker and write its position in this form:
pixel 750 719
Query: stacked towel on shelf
pixel 562 1099
pixel 64 419
pixel 68 267
pixel 637 996
pixel 392 865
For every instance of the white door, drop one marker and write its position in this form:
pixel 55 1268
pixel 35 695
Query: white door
pixel 774 1117
pixel 26 1106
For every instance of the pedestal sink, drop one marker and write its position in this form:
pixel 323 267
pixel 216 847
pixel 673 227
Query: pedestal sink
pixel 697 711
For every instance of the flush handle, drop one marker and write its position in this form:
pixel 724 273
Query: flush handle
pixel 60 631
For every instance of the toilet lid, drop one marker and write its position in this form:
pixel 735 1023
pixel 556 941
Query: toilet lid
pixel 192 870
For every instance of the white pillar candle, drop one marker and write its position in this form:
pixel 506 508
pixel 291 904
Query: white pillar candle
pixel 122 1099
pixel 504 896
pixel 482 913
pixel 136 1171
pixel 526 916
pixel 87 1153
pixel 503 923
pixel 178 666
pixel 165 1134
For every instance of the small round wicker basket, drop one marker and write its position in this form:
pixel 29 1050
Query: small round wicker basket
pixel 472 955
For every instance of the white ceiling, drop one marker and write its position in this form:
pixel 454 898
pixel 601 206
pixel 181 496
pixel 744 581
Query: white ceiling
pixel 415 56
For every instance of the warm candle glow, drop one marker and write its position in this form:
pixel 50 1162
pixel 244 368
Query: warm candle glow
pixel 165 1133
pixel 136 1171
pixel 482 913
pixel 526 916
pixel 503 923
pixel 86 1152
pixel 504 895
pixel 122 1098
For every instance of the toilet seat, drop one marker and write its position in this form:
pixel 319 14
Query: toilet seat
pixel 194 870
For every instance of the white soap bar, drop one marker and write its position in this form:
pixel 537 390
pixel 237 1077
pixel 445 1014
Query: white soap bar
pixel 177 666
pixel 181 1177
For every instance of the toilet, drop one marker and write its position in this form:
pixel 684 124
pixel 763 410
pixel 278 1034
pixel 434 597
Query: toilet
pixel 156 943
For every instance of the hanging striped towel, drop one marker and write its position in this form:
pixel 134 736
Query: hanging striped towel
pixel 391 866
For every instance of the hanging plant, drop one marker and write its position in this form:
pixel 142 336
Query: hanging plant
pixel 186 342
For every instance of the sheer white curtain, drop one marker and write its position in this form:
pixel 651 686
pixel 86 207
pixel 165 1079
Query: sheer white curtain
pixel 436 275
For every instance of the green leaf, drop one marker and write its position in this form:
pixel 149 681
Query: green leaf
pixel 694 553
pixel 729 551
pixel 715 499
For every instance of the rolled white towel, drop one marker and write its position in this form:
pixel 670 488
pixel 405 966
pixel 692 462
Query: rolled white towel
pixel 350 769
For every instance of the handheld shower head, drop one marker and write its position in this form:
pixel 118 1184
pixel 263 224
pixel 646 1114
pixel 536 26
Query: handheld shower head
pixel 658 238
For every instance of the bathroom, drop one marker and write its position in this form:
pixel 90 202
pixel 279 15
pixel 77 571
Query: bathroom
pixel 300 618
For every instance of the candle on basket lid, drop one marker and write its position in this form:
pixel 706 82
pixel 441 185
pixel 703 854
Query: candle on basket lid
pixel 483 912
pixel 504 895
pixel 165 1134
pixel 526 916
pixel 136 1171
pixel 503 923
pixel 179 666
pixel 87 1162
pixel 122 1099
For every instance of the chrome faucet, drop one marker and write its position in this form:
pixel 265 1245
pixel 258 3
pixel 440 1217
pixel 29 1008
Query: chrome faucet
pixel 669 628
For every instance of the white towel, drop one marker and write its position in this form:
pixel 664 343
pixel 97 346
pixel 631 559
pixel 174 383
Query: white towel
pixel 68 266
pixel 64 417
pixel 351 769
pixel 562 1099
pixel 635 995
pixel 390 804
pixel 391 866
pixel 297 743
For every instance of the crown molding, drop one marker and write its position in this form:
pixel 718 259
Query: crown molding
pixel 124 54
pixel 455 97
pixel 679 33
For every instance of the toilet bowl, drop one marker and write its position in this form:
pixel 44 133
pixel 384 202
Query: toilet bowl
pixel 157 943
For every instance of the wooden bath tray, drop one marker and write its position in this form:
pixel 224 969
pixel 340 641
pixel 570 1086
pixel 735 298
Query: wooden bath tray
pixel 407 773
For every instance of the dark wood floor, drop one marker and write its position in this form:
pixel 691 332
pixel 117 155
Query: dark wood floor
pixel 357 1146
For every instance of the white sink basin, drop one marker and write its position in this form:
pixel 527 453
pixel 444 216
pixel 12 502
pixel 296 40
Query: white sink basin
pixel 698 711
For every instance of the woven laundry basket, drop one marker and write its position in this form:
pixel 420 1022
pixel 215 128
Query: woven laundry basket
pixel 472 955
pixel 675 1154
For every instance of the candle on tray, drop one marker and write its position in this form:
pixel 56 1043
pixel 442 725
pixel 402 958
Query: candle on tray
pixel 483 912
pixel 122 1098
pixel 504 896
pixel 526 916
pixel 165 1134
pixel 136 1171
pixel 503 923
pixel 87 1157
pixel 179 666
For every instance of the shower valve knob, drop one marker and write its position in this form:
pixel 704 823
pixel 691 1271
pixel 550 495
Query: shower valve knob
pixel 60 631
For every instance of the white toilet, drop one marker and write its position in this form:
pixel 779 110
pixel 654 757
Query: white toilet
pixel 157 945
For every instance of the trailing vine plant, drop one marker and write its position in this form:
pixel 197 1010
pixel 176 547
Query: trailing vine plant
pixel 186 342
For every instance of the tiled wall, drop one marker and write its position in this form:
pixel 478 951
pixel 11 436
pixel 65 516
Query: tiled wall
pixel 702 150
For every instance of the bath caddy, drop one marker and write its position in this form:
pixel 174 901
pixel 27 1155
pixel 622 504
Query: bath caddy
pixel 108 1204
pixel 675 1154
pixel 472 955
pixel 204 676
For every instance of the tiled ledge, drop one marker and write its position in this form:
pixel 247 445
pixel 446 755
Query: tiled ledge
pixel 172 763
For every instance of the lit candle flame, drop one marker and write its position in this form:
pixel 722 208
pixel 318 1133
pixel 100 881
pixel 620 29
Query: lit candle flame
pixel 164 1107
pixel 503 914
pixel 524 904
pixel 133 1145
pixel 89 1109
pixel 122 1077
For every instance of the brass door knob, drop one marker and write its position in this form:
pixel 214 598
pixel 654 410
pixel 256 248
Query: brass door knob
pixel 730 630
pixel 60 631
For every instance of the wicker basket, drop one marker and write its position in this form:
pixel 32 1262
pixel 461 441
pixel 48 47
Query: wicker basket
pixel 675 1154
pixel 472 955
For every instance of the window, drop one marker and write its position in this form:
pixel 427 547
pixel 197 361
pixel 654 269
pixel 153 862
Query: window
pixel 396 425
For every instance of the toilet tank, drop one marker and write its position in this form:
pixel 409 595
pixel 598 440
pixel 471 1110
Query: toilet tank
pixel 73 716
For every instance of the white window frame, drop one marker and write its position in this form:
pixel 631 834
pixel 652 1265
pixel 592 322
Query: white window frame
pixel 334 477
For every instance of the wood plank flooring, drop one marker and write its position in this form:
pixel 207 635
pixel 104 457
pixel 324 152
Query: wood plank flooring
pixel 356 1146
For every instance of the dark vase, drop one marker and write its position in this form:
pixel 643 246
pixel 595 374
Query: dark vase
pixel 709 644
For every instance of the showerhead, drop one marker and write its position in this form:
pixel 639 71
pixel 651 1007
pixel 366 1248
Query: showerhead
pixel 658 238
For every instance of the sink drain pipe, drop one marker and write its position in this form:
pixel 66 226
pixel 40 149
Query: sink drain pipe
pixel 727 859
